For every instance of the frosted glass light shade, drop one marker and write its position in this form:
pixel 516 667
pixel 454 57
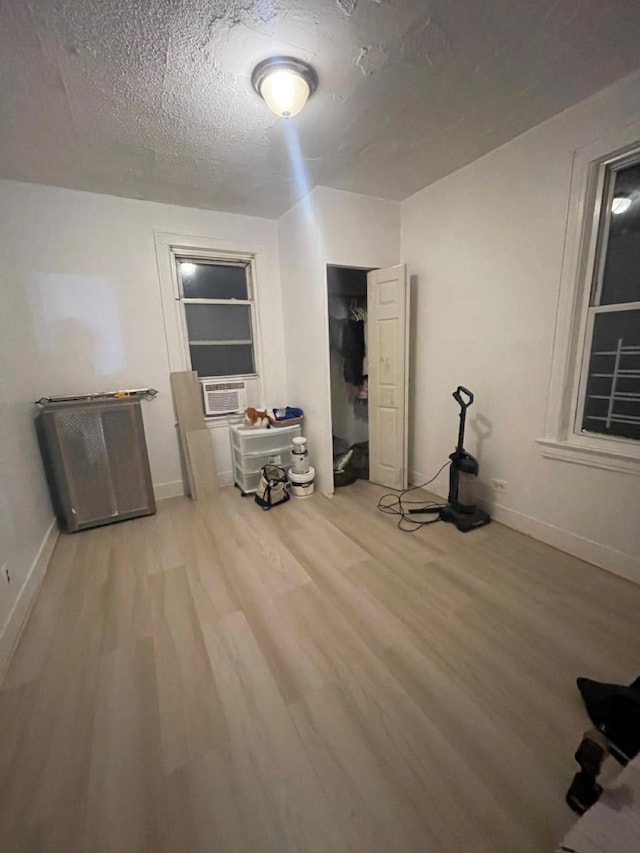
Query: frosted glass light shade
pixel 620 204
pixel 284 83
pixel 285 92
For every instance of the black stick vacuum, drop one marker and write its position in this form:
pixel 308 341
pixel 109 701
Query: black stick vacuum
pixel 466 517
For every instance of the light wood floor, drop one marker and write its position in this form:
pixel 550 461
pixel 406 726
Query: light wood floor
pixel 308 679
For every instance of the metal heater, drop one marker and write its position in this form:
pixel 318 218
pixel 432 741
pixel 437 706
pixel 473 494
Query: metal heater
pixel 96 462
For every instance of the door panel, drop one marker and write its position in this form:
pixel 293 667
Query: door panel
pixel 388 456
pixel 387 320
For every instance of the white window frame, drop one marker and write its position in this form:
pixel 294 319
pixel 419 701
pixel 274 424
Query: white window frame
pixel 247 263
pixel 169 248
pixel 564 438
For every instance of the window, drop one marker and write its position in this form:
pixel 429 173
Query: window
pixel 218 307
pixel 609 395
pixel 593 407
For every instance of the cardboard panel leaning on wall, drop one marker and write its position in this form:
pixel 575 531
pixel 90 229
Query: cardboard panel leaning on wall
pixel 486 245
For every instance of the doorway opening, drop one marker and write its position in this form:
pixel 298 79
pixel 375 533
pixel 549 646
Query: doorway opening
pixel 347 303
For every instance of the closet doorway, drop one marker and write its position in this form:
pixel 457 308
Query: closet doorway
pixel 368 358
pixel 347 301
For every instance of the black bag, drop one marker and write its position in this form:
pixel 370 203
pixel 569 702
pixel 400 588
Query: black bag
pixel 615 710
pixel 272 488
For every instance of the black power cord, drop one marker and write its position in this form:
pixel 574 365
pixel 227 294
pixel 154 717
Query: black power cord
pixel 394 503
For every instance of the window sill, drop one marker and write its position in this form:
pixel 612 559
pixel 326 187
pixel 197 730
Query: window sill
pixel 592 457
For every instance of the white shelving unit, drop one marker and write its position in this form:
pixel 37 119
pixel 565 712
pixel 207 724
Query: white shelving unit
pixel 251 449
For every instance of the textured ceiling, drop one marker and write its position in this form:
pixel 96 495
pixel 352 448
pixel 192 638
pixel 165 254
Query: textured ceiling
pixel 152 98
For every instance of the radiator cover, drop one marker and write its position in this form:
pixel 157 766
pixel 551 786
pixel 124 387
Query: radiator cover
pixel 96 462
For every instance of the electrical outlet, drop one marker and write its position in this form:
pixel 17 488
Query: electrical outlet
pixel 499 485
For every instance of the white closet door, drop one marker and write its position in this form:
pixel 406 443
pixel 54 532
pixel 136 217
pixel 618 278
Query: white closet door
pixel 388 348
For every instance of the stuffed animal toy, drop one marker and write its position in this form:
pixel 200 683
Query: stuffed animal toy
pixel 255 418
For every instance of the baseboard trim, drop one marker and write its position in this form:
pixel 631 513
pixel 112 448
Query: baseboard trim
pixel 162 491
pixel 17 618
pixel 416 478
pixel 607 558
pixel 600 555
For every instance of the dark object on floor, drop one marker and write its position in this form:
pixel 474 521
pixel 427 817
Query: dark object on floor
pixel 343 478
pixel 583 793
pixel 590 755
pixel 352 466
pixel 615 710
pixel 466 517
pixel 359 462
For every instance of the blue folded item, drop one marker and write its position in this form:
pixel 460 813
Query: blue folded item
pixel 287 413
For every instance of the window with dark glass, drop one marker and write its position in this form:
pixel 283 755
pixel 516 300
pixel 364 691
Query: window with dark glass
pixel 218 305
pixel 611 380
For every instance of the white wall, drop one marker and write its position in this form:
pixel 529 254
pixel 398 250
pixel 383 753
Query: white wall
pixel 82 308
pixel 327 227
pixel 26 529
pixel 486 247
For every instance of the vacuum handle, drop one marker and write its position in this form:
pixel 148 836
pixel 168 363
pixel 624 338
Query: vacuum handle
pixel 457 396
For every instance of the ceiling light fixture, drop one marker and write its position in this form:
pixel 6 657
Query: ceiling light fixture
pixel 285 84
pixel 620 203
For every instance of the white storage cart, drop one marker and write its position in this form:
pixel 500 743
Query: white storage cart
pixel 251 449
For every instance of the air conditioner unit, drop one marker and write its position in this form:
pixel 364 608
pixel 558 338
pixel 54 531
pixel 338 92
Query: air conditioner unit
pixel 224 398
